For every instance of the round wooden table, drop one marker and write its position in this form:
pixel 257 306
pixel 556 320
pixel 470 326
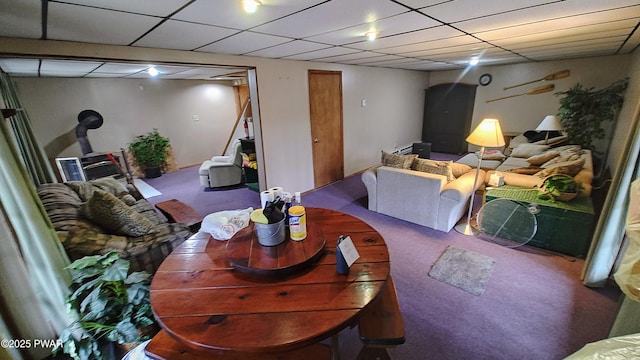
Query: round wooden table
pixel 206 304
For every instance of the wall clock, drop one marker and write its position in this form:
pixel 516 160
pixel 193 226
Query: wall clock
pixel 485 79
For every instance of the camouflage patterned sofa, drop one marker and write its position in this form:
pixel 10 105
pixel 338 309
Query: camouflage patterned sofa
pixel 103 215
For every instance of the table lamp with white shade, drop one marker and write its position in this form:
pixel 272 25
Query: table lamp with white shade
pixel 487 134
pixel 549 123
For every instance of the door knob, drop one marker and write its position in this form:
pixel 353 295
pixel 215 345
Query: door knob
pixel 316 140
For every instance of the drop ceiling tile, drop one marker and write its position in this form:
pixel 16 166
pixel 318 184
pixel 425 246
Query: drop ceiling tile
pixel 419 4
pixel 120 68
pixel 160 7
pixel 323 53
pixel 229 13
pixel 84 24
pixel 434 44
pixel 68 66
pixel 398 61
pixel 385 27
pixel 609 48
pixel 441 46
pixel 171 35
pixel 459 10
pixel 548 55
pixel 632 43
pixel 289 48
pixel 244 42
pixel 104 75
pixel 568 34
pixel 372 59
pixel 21 18
pixel 563 14
pixel 540 45
pixel 358 55
pixel 335 15
pixel 414 37
pixel 19 65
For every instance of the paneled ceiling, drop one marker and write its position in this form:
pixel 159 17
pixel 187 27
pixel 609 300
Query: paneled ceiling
pixel 411 34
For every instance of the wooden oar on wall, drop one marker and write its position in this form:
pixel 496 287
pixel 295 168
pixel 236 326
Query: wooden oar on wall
pixel 555 76
pixel 534 91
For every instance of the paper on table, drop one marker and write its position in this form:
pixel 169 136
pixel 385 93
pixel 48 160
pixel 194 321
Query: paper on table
pixel 349 251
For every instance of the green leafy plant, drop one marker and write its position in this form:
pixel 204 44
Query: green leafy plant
pixel 559 187
pixel 111 305
pixel 583 110
pixel 150 150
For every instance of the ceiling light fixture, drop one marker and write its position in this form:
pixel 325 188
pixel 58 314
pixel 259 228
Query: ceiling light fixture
pixel 371 35
pixel 474 61
pixel 153 71
pixel 250 6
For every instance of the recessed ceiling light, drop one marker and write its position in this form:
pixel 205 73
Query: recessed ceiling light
pixel 474 61
pixel 250 6
pixel 152 71
pixel 371 35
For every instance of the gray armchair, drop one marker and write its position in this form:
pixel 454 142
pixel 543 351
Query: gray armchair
pixel 223 170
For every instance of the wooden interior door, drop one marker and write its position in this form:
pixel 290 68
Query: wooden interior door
pixel 325 106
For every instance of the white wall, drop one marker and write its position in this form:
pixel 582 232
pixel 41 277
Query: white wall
pixel 131 107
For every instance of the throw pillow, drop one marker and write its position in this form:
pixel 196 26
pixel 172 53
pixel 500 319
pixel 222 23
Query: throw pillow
pixel 528 150
pixel 537 160
pixel 529 170
pixel 398 161
pixel 114 216
pixel 459 169
pixel 570 168
pixel 492 155
pixel 564 156
pixel 434 167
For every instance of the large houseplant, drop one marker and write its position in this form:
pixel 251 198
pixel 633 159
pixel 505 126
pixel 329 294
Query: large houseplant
pixel 584 110
pixel 111 305
pixel 150 152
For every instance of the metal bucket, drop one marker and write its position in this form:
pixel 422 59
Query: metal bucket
pixel 270 234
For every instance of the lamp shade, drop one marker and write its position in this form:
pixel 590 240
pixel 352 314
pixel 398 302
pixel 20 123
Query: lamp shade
pixel 488 133
pixel 550 123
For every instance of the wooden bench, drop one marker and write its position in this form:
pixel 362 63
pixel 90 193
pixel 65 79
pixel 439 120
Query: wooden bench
pixel 177 211
pixel 381 325
pixel 164 347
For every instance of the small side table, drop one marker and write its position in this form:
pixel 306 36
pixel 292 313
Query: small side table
pixel 177 211
pixel 565 227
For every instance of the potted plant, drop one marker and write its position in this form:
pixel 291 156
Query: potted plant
pixel 582 111
pixel 111 306
pixel 559 187
pixel 150 152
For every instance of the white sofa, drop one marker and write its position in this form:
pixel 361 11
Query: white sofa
pixel 418 197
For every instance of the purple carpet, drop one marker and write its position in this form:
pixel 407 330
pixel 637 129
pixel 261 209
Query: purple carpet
pixel 534 305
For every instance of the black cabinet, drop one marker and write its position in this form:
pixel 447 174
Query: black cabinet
pixel 448 109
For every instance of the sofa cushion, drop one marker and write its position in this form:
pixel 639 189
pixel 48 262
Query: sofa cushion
pixel 434 167
pixel 570 154
pixel 398 161
pixel 459 169
pixel 85 189
pixel 570 168
pixel 493 155
pixel 528 150
pixel 537 160
pixel 529 170
pixel 114 216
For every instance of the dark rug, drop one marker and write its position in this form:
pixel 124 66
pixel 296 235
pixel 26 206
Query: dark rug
pixel 464 269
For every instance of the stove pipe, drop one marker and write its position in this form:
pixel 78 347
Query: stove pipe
pixel 87 119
